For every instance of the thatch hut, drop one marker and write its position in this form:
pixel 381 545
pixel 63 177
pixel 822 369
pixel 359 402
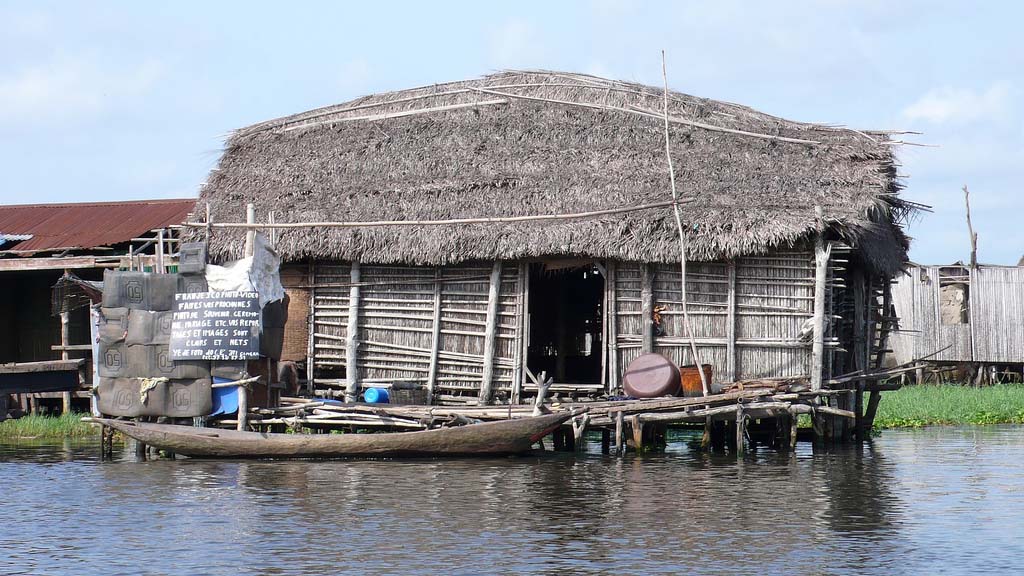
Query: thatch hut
pixel 477 310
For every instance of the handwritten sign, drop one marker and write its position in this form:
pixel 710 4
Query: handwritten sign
pixel 215 326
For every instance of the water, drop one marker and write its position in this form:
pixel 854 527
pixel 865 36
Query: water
pixel 932 501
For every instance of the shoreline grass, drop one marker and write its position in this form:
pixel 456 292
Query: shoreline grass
pixel 42 427
pixel 950 404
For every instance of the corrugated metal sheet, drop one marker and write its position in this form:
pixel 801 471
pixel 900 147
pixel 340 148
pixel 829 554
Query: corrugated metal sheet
pixel 88 225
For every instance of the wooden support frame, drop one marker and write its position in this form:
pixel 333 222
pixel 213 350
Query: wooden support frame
pixel 490 335
pixel 352 337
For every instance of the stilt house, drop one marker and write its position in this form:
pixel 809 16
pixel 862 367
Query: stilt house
pixel 780 219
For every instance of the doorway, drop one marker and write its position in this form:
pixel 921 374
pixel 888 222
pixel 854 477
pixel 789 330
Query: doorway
pixel 566 310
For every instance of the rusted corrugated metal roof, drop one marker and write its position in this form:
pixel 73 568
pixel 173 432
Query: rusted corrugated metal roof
pixel 88 225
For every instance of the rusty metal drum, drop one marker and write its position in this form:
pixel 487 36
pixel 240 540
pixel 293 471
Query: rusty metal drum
pixel 651 376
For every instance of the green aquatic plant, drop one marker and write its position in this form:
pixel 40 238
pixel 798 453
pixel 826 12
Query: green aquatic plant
pixel 927 405
pixel 32 426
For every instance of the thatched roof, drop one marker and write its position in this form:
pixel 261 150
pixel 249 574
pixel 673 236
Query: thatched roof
pixel 521 143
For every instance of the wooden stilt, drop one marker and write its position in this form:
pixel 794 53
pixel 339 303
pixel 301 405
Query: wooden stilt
pixel 741 430
pixel 646 308
pixel 606 441
pixel 869 413
pixel 793 427
pixel 579 428
pixel 620 445
pixel 638 432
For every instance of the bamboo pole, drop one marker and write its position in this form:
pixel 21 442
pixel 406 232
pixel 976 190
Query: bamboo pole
pixel 619 431
pixel 682 237
pixel 490 334
pixel 519 344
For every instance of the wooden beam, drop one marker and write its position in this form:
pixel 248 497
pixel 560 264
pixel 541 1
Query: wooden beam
pixel 66 263
pixel 646 308
pixel 730 325
pixel 352 335
pixel 435 338
pixel 490 334
pixel 821 255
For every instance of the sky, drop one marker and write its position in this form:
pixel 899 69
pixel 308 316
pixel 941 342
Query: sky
pixel 106 101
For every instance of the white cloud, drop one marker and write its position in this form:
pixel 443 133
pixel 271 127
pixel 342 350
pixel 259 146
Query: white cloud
pixel 71 87
pixel 960 105
pixel 515 44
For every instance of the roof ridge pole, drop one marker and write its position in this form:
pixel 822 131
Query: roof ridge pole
pixel 682 238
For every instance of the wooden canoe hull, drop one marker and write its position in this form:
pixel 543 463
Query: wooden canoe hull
pixel 488 438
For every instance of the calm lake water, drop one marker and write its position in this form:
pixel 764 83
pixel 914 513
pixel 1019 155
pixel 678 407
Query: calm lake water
pixel 931 501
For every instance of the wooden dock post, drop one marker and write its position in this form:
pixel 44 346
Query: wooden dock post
pixel 638 432
pixel 606 441
pixel 579 428
pixel 741 430
pixel 620 431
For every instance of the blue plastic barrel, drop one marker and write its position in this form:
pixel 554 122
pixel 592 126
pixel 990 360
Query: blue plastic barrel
pixel 376 395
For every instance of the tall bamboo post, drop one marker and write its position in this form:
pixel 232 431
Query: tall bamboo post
pixel 682 237
pixel 490 334
pixel 730 325
pixel 352 337
pixel 250 249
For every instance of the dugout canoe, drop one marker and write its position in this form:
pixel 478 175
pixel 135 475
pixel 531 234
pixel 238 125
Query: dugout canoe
pixel 487 438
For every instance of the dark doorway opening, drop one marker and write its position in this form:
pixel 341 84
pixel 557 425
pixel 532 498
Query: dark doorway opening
pixel 566 313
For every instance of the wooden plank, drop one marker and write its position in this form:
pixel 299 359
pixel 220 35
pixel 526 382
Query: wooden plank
pixel 646 308
pixel 490 334
pixel 71 365
pixel 66 263
pixel 435 338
